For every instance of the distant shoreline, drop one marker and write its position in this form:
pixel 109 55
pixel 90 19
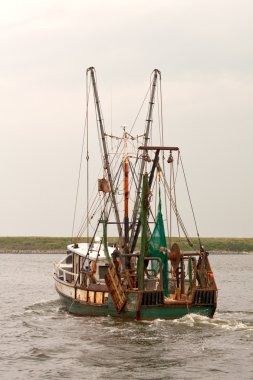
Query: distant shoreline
pixel 40 244
pixel 32 252
pixel 63 252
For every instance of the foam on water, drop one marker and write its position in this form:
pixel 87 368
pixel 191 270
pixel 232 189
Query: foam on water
pixel 190 320
pixel 195 320
pixel 43 303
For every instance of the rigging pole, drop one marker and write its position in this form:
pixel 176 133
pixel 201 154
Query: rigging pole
pixel 138 223
pixel 126 197
pixel 106 156
pixel 145 143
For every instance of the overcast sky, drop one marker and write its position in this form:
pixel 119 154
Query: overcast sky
pixel 204 50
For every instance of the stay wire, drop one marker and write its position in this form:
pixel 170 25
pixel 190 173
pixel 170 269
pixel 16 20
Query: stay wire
pixel 87 173
pixel 90 209
pixel 174 207
pixel 161 130
pixel 82 150
pixel 137 161
pixel 141 107
pixel 97 122
pixel 175 198
pixel 97 205
pixel 193 213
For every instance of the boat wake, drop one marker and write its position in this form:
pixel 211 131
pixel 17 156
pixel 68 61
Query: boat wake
pixel 195 320
pixel 43 305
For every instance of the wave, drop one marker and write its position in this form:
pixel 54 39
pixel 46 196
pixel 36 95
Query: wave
pixel 43 303
pixel 195 320
pixel 41 307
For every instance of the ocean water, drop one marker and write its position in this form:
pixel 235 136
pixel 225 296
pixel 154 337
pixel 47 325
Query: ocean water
pixel 40 340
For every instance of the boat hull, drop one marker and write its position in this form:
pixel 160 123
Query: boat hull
pixel 165 311
pixel 83 308
pixel 132 309
pixel 175 311
pixel 78 301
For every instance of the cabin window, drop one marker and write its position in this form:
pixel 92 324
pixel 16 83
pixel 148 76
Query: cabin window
pixel 103 270
pixel 69 259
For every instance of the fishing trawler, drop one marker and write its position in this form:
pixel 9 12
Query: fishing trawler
pixel 141 274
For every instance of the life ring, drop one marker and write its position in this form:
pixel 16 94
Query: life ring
pixel 93 267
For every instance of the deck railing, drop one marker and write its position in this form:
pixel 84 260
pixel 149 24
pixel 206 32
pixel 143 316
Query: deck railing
pixel 64 274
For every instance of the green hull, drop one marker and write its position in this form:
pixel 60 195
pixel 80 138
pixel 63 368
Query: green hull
pixel 130 310
pixel 174 312
pixel 165 311
pixel 83 308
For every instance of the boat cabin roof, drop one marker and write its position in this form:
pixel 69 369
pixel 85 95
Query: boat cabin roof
pixel 82 249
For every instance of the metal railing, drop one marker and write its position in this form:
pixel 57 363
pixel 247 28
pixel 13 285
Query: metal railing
pixel 64 274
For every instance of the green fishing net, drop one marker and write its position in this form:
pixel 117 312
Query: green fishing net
pixel 156 241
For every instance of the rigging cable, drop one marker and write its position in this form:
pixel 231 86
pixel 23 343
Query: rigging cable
pixel 137 161
pixel 133 180
pixel 91 209
pixel 161 130
pixel 200 244
pixel 140 107
pixel 170 191
pixel 82 150
pixel 97 122
pixel 87 166
pixel 174 190
pixel 174 207
pixel 98 204
pixel 91 204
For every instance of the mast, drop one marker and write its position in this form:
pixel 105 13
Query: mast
pixel 144 240
pixel 138 223
pixel 145 143
pixel 126 197
pixel 106 156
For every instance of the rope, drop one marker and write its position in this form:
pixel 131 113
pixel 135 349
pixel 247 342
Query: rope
pixel 174 207
pixel 87 173
pixel 161 131
pixel 90 207
pixel 200 244
pixel 170 195
pixel 141 107
pixel 82 150
pixel 97 122
pixel 175 199
pixel 98 205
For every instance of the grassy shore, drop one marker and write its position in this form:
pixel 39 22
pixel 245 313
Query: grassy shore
pixel 60 243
